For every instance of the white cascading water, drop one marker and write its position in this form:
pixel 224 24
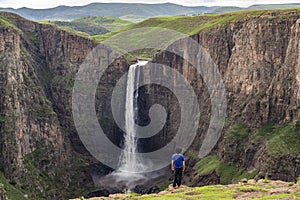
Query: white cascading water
pixel 126 174
pixel 129 162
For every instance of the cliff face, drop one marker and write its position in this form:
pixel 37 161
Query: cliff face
pixel 258 58
pixel 36 62
pixel 40 149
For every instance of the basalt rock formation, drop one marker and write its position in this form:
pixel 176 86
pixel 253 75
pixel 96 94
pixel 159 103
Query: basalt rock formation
pixel 258 58
pixel 41 153
pixel 40 150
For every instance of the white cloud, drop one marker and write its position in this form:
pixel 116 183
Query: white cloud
pixel 53 3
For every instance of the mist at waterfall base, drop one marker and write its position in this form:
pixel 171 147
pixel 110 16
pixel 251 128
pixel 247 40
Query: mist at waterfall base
pixel 126 178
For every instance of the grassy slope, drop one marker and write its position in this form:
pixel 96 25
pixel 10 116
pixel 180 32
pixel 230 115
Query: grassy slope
pixel 227 172
pixel 191 24
pixel 281 140
pixel 110 23
pixel 95 25
pixel 11 191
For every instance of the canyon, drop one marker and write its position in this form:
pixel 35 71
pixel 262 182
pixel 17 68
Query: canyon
pixel 257 56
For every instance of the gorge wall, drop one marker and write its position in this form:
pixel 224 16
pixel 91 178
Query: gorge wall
pixel 258 58
pixel 40 151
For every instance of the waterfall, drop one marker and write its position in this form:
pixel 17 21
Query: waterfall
pixel 129 162
pixel 131 171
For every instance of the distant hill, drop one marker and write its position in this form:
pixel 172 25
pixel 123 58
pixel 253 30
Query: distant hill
pixel 254 7
pixel 129 11
pixel 95 25
pixel 107 9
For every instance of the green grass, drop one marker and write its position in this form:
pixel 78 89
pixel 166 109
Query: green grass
pixel 12 192
pixel 133 18
pixel 238 132
pixel 277 196
pixel 109 23
pixel 205 193
pixel 72 31
pixel 87 26
pixel 189 25
pixel 285 141
pixel 227 172
pixel 216 192
pixel 207 165
pixel 4 22
pixel 281 139
pixel 251 189
pixel 145 54
pixel 213 192
pixel 265 133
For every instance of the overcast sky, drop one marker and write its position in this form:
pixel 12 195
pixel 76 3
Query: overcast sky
pixel 53 3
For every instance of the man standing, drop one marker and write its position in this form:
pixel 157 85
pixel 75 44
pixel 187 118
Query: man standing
pixel 178 165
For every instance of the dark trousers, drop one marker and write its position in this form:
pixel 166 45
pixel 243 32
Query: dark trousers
pixel 178 176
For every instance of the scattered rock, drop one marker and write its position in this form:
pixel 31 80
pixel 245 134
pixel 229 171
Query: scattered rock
pixel 243 181
pixel 162 192
pixel 261 181
pixel 251 181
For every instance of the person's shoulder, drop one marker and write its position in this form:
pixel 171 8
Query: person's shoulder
pixel 182 155
pixel 173 155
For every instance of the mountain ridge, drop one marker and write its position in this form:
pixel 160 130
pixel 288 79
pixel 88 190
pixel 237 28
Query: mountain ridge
pixel 122 10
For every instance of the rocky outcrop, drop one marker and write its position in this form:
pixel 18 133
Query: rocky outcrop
pixel 3 195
